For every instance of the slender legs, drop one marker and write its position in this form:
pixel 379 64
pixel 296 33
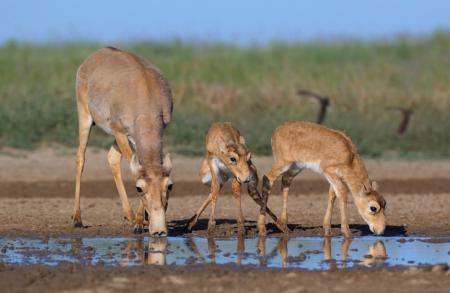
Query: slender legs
pixel 277 169
pixel 341 191
pixel 84 124
pixel 208 167
pixel 236 189
pixel 329 212
pixel 139 224
pixel 125 149
pixel 212 198
pixel 252 189
pixel 344 213
pixel 114 157
pixel 215 188
pixel 195 217
pixel 286 181
pixel 121 147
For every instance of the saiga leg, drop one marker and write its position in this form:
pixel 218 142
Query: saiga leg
pixel 127 152
pixel 139 224
pixel 286 181
pixel 193 220
pixel 329 212
pixel 268 180
pixel 342 193
pixel 252 188
pixel 114 157
pixel 215 188
pixel 215 185
pixel 236 189
pixel 85 122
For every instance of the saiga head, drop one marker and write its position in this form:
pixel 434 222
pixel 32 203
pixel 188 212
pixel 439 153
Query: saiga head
pixel 236 156
pixel 371 206
pixel 155 185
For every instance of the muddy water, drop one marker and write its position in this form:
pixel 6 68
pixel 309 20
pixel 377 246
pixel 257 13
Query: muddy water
pixel 311 253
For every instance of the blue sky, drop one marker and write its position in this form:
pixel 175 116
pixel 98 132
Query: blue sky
pixel 229 21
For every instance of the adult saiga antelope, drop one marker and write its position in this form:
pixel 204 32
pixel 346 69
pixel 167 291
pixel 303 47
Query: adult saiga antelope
pixel 299 145
pixel 129 98
pixel 227 157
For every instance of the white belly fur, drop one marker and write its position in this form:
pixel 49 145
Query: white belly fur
pixel 223 173
pixel 314 166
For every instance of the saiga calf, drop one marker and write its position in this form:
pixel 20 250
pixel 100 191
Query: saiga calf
pixel 300 145
pixel 227 157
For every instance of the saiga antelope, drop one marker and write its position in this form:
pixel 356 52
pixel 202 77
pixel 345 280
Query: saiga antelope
pixel 300 145
pixel 227 157
pixel 129 98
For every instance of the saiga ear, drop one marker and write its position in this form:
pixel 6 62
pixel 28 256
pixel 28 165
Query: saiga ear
pixel 135 167
pixel 375 185
pixel 367 187
pixel 222 147
pixel 167 162
pixel 241 140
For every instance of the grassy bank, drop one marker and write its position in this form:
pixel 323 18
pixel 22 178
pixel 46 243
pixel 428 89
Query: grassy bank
pixel 254 87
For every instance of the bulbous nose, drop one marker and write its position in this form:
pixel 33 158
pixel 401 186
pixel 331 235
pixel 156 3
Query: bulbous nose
pixel 377 230
pixel 157 225
pixel 241 180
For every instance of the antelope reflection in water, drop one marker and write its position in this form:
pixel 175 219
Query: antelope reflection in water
pixel 153 254
pixel 375 255
pixel 212 249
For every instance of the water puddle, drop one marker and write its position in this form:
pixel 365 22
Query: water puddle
pixel 310 253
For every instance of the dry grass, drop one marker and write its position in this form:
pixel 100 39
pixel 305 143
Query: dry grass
pixel 253 87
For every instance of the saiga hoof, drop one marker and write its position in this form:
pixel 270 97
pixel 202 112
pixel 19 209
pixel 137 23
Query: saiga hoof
pixel 190 224
pixel 78 225
pixel 327 231
pixel 347 234
pixel 282 225
pixel 129 218
pixel 138 230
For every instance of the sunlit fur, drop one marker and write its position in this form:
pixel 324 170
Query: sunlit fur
pixel 227 157
pixel 129 98
pixel 298 145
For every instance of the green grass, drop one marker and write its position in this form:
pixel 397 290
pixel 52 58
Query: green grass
pixel 253 87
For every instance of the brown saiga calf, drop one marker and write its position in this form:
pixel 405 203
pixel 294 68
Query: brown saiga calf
pixel 227 157
pixel 298 145
pixel 130 99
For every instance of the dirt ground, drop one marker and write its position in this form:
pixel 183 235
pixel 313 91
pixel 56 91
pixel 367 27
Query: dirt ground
pixel 36 198
pixel 211 278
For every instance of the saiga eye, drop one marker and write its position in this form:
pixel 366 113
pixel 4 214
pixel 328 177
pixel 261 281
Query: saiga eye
pixel 374 208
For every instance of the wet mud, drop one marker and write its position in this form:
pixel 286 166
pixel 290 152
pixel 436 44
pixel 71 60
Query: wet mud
pixel 40 251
